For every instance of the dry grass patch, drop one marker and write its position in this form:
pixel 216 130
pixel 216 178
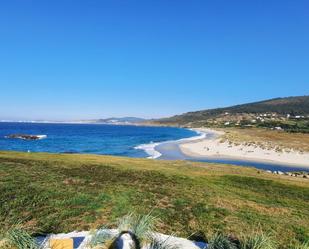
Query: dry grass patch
pixel 268 139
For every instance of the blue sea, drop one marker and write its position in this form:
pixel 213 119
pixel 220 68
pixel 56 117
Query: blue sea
pixel 118 140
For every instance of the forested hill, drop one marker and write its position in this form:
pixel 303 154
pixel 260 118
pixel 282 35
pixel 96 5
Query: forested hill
pixel 281 106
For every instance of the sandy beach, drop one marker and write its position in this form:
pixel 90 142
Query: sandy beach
pixel 213 146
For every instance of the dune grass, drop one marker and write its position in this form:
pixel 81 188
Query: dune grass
pixel 268 139
pixel 60 193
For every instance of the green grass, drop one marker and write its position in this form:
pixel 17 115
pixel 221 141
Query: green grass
pixel 219 241
pixel 17 238
pixel 60 193
pixel 258 241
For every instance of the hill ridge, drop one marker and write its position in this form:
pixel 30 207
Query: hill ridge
pixel 282 106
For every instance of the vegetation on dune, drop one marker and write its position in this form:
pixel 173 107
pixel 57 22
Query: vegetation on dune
pixel 268 139
pixel 55 193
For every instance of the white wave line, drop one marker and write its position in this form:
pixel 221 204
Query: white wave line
pixel 150 148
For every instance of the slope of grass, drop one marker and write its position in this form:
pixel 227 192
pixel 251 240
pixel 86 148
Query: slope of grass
pixel 61 193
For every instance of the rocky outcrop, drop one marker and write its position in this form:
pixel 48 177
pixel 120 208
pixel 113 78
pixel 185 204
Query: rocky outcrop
pixel 295 174
pixel 26 137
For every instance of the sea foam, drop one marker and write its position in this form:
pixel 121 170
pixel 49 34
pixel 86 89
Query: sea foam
pixel 150 148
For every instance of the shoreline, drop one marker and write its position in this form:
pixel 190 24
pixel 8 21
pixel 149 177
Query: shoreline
pixel 213 148
pixel 191 149
pixel 151 148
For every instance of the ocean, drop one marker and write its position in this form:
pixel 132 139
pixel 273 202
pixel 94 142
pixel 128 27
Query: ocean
pixel 118 140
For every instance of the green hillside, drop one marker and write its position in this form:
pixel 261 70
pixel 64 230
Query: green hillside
pixel 61 193
pixel 281 106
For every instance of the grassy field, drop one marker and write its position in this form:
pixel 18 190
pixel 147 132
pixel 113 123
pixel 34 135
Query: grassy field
pixel 268 138
pixel 61 193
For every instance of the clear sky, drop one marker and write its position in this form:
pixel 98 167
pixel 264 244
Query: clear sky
pixel 62 59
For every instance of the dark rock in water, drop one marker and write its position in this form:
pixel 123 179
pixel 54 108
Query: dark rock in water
pixel 26 137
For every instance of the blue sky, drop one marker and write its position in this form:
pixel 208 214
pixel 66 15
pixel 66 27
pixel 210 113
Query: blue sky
pixel 64 59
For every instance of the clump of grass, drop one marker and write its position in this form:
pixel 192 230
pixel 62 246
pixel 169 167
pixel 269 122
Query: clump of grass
pixel 156 243
pixel 219 241
pixel 101 239
pixel 18 238
pixel 140 225
pixel 304 245
pixel 258 241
